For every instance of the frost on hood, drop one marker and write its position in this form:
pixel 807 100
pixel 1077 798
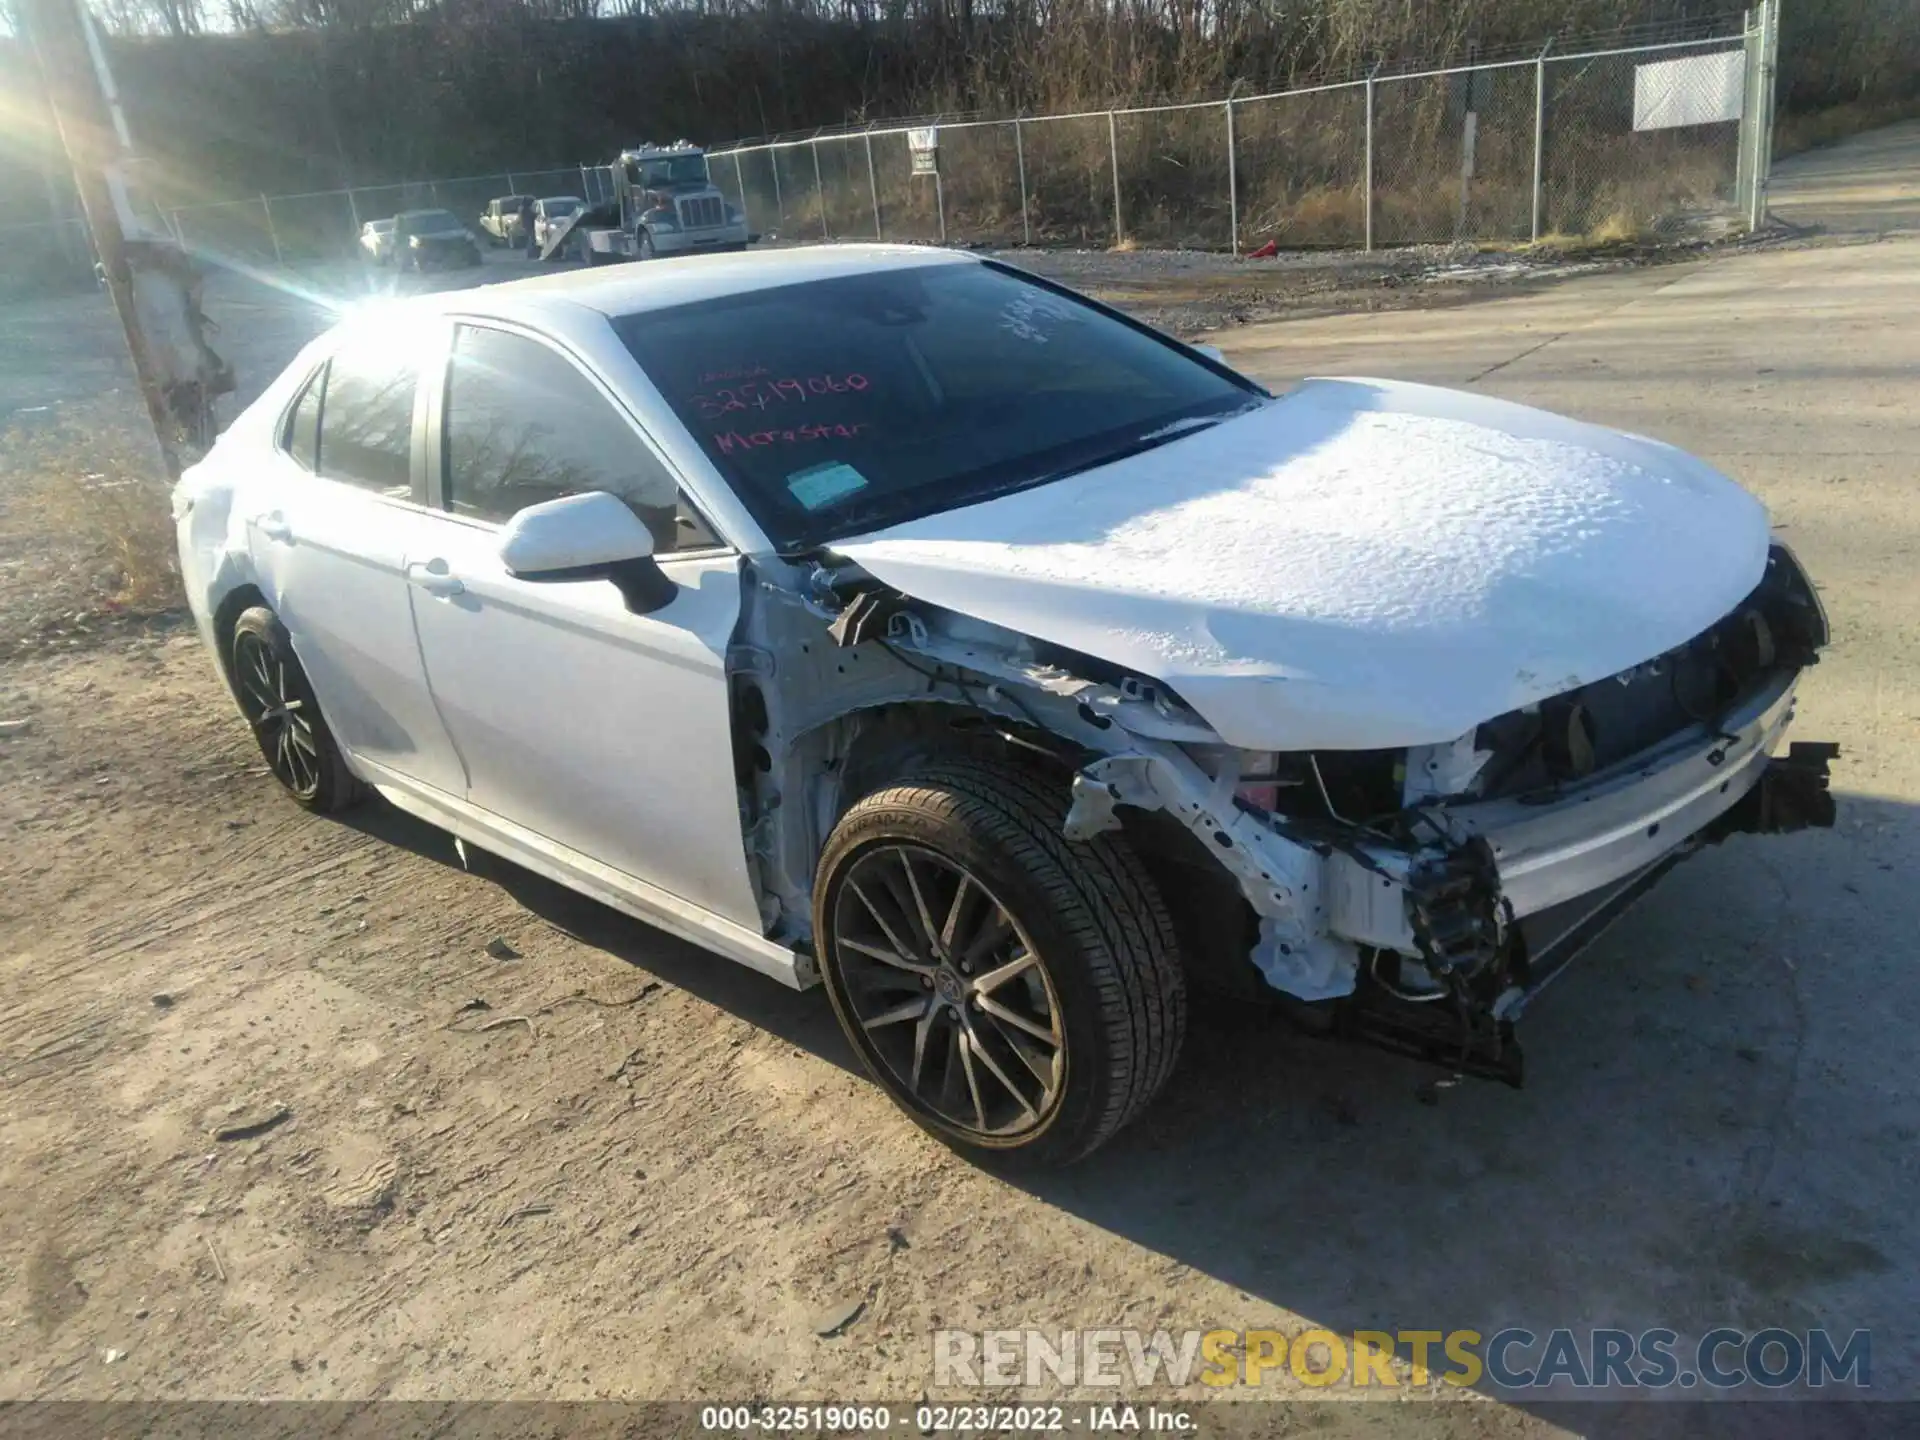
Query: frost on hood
pixel 1378 563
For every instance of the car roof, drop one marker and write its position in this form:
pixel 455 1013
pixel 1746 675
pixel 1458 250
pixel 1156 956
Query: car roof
pixel 658 284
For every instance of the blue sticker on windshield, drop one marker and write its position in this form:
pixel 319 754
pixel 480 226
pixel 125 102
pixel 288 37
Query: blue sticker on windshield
pixel 820 485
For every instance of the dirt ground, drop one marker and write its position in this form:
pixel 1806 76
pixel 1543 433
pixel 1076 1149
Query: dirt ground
pixel 500 1142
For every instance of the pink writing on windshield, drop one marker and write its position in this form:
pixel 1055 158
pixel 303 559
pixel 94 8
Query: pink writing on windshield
pixel 763 394
pixel 731 440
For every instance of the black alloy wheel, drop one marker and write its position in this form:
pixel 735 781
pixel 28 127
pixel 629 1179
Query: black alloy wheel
pixel 954 999
pixel 279 705
pixel 1018 994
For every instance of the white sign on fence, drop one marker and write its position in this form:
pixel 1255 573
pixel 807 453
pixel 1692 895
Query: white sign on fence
pixel 1700 90
pixel 924 146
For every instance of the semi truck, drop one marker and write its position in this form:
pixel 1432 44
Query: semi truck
pixel 663 203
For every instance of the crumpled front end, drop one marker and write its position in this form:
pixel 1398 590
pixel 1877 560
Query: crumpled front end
pixel 1421 898
pixel 1417 898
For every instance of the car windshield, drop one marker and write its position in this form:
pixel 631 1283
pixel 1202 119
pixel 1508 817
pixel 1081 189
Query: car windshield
pixel 423 222
pixel 838 406
pixel 380 227
pixel 555 208
pixel 677 170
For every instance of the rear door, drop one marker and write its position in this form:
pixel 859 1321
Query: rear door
pixel 604 731
pixel 329 539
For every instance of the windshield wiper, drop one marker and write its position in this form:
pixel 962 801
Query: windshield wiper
pixel 1180 427
pixel 1147 440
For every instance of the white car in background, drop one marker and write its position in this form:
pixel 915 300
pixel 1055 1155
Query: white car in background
pixel 892 618
pixel 551 212
pixel 376 241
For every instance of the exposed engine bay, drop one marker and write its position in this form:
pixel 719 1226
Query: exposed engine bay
pixel 1416 898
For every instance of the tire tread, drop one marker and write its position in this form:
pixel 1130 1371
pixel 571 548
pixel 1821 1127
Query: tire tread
pixel 1100 891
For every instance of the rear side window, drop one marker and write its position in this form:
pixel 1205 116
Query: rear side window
pixel 366 420
pixel 302 438
pixel 524 426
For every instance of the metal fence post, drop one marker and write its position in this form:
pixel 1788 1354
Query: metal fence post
pixel 1763 129
pixel 1749 114
pixel 266 208
pixel 1233 184
pixel 940 203
pixel 353 209
pixel 513 186
pixel 1539 139
pixel 779 201
pixel 1368 220
pixel 819 188
pixel 1113 149
pixel 740 182
pixel 873 188
pixel 1020 159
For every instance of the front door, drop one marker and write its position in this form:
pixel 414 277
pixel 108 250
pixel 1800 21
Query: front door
pixel 329 530
pixel 605 731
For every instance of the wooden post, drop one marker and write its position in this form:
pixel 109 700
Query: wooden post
pixel 86 124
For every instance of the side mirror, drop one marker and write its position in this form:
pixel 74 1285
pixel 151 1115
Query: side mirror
pixel 587 537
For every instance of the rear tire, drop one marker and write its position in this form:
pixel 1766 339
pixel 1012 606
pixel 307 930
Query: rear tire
pixel 279 704
pixel 1030 1036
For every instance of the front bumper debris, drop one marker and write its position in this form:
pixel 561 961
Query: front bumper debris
pixel 1792 794
pixel 1433 949
pixel 1493 969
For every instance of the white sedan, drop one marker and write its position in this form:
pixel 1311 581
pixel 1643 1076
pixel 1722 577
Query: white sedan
pixel 552 212
pixel 891 618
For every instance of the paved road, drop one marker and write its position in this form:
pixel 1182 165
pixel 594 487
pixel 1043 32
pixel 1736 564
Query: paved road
pixel 1867 185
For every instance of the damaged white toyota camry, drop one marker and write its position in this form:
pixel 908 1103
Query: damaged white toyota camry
pixel 895 619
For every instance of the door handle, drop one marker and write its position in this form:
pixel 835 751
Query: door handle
pixel 275 527
pixel 433 578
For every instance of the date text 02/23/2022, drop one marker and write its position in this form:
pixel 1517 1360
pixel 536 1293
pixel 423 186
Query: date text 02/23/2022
pixel 960 1419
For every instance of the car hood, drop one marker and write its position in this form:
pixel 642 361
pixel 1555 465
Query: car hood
pixel 1358 564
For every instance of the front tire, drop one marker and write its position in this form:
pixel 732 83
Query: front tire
pixel 279 704
pixel 1018 994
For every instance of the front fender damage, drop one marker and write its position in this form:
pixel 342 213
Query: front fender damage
pixel 1425 929
pixel 1285 881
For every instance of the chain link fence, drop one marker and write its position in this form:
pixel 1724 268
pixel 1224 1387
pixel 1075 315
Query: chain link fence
pixel 1656 139
pixel 271 230
pixel 1650 139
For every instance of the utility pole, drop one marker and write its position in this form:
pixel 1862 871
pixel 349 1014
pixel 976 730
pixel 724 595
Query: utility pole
pixel 94 136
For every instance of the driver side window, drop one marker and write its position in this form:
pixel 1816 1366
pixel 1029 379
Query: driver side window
pixel 522 425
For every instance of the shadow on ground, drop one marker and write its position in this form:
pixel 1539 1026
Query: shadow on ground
pixel 1663 1130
